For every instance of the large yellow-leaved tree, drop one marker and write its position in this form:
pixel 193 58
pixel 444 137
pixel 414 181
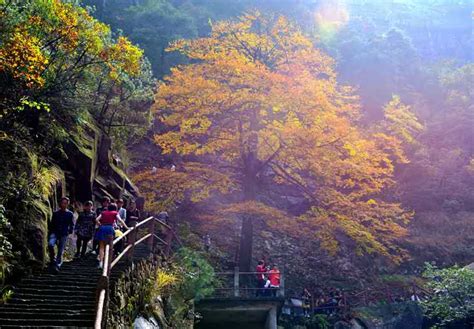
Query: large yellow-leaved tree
pixel 259 103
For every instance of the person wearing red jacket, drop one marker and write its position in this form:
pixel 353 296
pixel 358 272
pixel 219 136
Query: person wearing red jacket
pixel 274 278
pixel 106 222
pixel 261 270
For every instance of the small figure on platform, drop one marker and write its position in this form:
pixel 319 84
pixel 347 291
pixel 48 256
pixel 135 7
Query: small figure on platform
pixel 61 226
pixel 261 270
pixel 84 229
pixel 274 279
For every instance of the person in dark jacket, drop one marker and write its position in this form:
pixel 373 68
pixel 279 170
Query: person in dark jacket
pixel 133 214
pixel 84 229
pixel 105 205
pixel 60 227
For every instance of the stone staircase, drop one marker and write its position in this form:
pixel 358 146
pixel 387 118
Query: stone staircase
pixel 63 300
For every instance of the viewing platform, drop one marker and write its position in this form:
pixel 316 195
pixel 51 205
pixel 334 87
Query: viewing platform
pixel 238 303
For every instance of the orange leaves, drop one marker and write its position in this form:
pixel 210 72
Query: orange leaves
pixel 22 57
pixel 401 121
pixel 51 37
pixel 372 227
pixel 262 102
pixel 274 217
pixel 122 56
pixel 65 24
pixel 242 81
pixel 165 188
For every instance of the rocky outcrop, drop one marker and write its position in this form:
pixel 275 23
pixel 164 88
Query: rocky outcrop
pixel 83 170
pixel 406 315
pixel 91 171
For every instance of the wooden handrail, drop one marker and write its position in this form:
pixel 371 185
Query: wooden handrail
pixel 119 256
pixel 110 261
pixel 160 239
pixel 143 222
pixel 100 306
pixel 127 232
pixel 171 229
pixel 142 239
pixel 105 268
pixel 163 223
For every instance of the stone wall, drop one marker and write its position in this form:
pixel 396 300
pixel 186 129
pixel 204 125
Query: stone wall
pixel 131 293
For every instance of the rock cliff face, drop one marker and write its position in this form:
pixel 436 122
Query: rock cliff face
pixel 33 185
pixel 389 316
pixel 90 170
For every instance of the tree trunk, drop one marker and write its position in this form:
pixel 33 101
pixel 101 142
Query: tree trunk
pixel 246 241
pixel 250 194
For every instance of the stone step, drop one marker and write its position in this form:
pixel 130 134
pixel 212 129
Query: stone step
pixel 57 303
pixel 47 314
pixel 63 323
pixel 66 299
pixel 56 285
pixel 57 278
pixel 45 308
pixel 41 298
pixel 66 276
pixel 81 271
pixel 42 327
pixel 56 292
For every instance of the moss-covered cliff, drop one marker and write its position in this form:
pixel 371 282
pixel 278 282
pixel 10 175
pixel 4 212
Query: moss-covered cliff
pixel 32 184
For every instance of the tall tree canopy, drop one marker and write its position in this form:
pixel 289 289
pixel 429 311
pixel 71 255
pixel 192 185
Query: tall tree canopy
pixel 260 106
pixel 54 55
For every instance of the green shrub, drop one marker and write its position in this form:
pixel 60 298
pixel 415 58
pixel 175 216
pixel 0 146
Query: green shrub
pixel 452 301
pixel 5 253
pixel 317 321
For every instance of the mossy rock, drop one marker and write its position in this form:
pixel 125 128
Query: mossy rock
pixel 28 210
pixel 407 315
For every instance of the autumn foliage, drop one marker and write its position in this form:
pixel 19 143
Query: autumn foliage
pixel 261 106
pixel 46 45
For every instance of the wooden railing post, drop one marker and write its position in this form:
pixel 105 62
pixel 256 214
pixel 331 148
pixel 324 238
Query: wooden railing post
pixel 168 240
pixel 110 261
pixel 103 287
pixel 151 227
pixel 236 282
pixel 132 237
pixel 110 242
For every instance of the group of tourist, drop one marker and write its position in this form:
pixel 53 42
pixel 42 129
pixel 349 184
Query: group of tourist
pixel 99 226
pixel 268 279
